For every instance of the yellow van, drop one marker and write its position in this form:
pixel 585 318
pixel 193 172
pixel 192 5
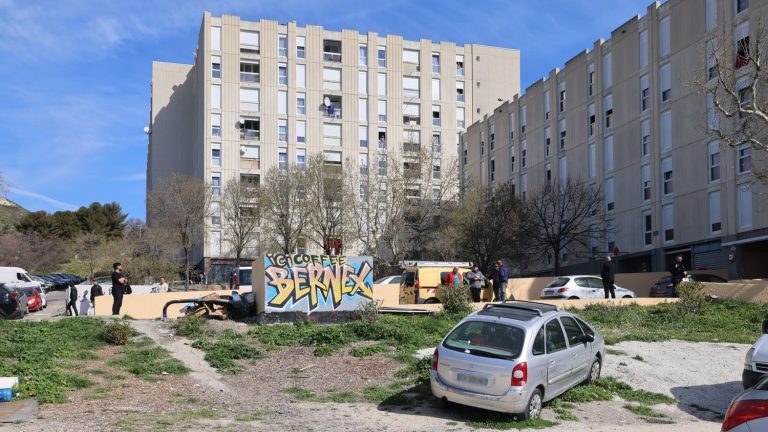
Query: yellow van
pixel 421 281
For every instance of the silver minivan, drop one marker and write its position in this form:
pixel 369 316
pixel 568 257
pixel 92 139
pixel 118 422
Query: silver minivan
pixel 513 357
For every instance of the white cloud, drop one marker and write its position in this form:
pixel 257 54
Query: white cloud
pixel 60 205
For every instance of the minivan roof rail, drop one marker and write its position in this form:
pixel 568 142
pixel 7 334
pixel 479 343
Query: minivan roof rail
pixel 435 263
pixel 537 307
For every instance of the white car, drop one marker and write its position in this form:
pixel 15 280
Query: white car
pixel 580 287
pixel 389 280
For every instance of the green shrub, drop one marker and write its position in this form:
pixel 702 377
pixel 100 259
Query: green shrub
pixel 117 332
pixel 369 311
pixel 190 326
pixel 691 298
pixel 456 300
pixel 222 353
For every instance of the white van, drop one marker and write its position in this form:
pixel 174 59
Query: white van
pixel 16 275
pixel 244 278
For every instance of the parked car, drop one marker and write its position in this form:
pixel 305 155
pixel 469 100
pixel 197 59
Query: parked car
pixel 580 287
pixel 421 279
pixel 747 412
pixel 34 299
pixel 387 280
pixel 10 305
pixel 513 357
pixel 40 291
pixel 664 288
pixel 44 284
pixel 756 360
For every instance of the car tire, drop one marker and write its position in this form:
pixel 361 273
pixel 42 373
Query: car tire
pixel 594 373
pixel 627 296
pixel 573 298
pixel 431 301
pixel 533 407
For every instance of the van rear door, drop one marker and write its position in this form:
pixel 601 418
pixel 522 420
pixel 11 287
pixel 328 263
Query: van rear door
pixel 407 287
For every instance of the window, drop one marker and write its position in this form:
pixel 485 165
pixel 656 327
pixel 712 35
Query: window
pixel 492 135
pixel 713 149
pixel 435 115
pixel 301 131
pixel 643 49
pixel 608 154
pixel 362 56
pixel 435 63
pixel 249 99
pixel 362 134
pixel 523 120
pixel 546 105
pixel 460 118
pixel 741 5
pixel 214 239
pixel 382 166
pixel 362 82
pixel 215 67
pixel 666 82
pixel 216 185
pixel 411 140
pixel 523 185
pixel 436 173
pixel 745 96
pixel 382 138
pixel 301 159
pixel 744 154
pixel 666 130
pixel 282 158
pixel 331 78
pixel 572 330
pixel 667 221
pixel 331 50
pixel 645 174
pixel 410 87
pixel 436 146
pixel 459 91
pixel 645 93
pixel 215 125
pixel 645 137
pixel 512 126
pixel 249 71
pixel 511 159
pixel 715 221
pixel 282 130
pixel 548 173
pixel 666 175
pixel 591 79
pixel 301 75
pixel 282 45
pixel 250 128
pixel 711 14
pixel 382 56
pixel 555 337
pixel 250 152
pixel 459 65
pixel 664 46
pixel 215 155
pixel 411 115
pixel 364 191
pixel 331 134
pixel 561 96
pixel 249 42
pixel 592 163
pixel 523 153
pixel 216 96
pixel 382 83
pixel 561 127
pixel 610 200
pixel 482 143
pixel 282 74
pixel 712 71
pixel 647 228
pixel 745 206
pixel 608 107
pixel 300 47
pixel 282 102
pixel 382 110
pixel 250 181
pixel 607 70
pixel 547 141
pixel 216 38
pixel 492 170
pixel 563 171
pixel 301 103
pixel 592 120
pixel 435 89
pixel 363 163
pixel 362 110
pixel 411 56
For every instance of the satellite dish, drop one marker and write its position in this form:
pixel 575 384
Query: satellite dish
pixel 240 123
pixel 147 130
pixel 242 150
pixel 327 101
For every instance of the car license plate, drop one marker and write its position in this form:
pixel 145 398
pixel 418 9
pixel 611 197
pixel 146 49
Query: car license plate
pixel 472 379
pixel 549 291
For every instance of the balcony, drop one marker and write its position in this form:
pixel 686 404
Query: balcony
pixel 250 134
pixel 332 51
pixel 250 164
pixel 249 77
pixel 411 120
pixel 331 107
pixel 249 49
pixel 411 147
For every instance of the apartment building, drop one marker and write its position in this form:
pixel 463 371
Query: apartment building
pixel 625 117
pixel 262 94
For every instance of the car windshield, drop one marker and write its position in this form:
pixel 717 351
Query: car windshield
pixel 381 280
pixel 245 277
pixel 29 292
pixel 486 339
pixel 558 282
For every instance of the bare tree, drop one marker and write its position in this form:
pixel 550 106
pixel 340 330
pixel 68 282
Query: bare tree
pixel 563 218
pixel 87 249
pixel 180 205
pixel 329 195
pixel 240 216
pixel 283 208
pixel 32 251
pixel 736 85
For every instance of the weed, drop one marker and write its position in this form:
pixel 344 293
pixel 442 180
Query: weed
pixel 499 421
pixel 638 358
pixel 386 395
pixel 303 394
pixel 191 326
pixel 627 393
pixel 369 350
pixel 643 410
pixel 369 311
pixel 146 362
pixel 342 397
pixel 117 332
pixel 698 407
pixel 456 300
pixel 254 416
pixel 591 393
pixel 622 364
pixel 691 298
pixel 562 409
pixel 99 393
pixel 228 347
pixel 615 352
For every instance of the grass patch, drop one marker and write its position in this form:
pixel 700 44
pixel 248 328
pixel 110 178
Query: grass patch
pixel 638 358
pixel 644 411
pixel 191 326
pixel 482 419
pixel 387 395
pixel 369 350
pixel 99 393
pixel 563 410
pixel 627 393
pixel 303 394
pixel 222 352
pixel 615 352
pixel 148 363
pixel 250 417
pixel 342 397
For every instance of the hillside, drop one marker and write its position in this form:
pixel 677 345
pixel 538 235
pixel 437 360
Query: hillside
pixel 10 213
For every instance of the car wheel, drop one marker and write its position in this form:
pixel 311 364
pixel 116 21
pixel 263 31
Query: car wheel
pixel 627 296
pixel 594 373
pixel 573 298
pixel 431 301
pixel 533 408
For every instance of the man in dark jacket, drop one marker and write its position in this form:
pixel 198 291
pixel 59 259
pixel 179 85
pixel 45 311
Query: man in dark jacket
pixel 608 274
pixel 72 300
pixel 677 271
pixel 119 283
pixel 500 277
pixel 96 291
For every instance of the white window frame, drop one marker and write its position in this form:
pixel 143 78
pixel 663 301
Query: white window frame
pixel 714 162
pixel 715 216
pixel 668 223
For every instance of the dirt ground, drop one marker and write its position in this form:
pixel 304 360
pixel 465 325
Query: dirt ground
pixel 703 377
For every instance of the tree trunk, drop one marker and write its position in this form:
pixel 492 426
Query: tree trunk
pixel 186 270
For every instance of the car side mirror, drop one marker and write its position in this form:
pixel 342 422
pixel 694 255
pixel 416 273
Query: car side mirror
pixel 765 326
pixel 588 338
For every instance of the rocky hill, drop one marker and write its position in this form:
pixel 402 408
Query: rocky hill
pixel 10 213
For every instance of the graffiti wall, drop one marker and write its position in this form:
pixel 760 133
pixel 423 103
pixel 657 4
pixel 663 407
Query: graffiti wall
pixel 315 283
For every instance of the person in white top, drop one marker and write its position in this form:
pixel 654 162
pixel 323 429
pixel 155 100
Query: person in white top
pixel 163 286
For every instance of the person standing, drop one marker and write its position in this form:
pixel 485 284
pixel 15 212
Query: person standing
pixel 500 278
pixel 119 283
pixel 454 279
pixel 677 271
pixel 608 274
pixel 475 278
pixel 96 291
pixel 163 288
pixel 71 307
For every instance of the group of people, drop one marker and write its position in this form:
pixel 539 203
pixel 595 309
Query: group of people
pixel 499 277
pixel 608 274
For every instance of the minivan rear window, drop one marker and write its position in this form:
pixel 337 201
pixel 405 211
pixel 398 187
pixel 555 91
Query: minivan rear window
pixel 409 278
pixel 558 282
pixel 486 339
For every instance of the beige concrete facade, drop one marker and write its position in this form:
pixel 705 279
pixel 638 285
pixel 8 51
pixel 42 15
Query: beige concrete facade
pixel 344 66
pixel 647 140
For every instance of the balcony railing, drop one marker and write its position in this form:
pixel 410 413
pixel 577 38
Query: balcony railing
pixel 411 120
pixel 333 57
pixel 250 164
pixel 364 169
pixel 249 49
pixel 250 134
pixel 411 147
pixel 334 114
pixel 249 77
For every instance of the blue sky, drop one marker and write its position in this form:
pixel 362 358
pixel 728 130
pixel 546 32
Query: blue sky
pixel 74 92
